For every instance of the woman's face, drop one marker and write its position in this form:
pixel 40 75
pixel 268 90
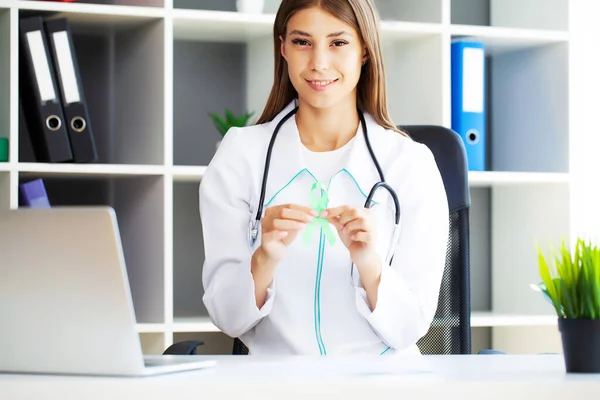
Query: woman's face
pixel 324 57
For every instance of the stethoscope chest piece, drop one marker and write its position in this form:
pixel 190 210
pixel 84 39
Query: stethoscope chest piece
pixel 253 231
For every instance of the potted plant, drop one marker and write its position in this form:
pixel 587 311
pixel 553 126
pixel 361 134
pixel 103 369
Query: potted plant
pixel 223 124
pixel 572 284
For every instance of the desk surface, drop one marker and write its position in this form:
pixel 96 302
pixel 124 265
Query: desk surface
pixel 445 377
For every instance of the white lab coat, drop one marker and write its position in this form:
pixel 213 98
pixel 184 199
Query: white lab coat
pixel 313 305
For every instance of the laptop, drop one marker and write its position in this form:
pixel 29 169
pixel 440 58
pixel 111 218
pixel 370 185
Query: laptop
pixel 65 300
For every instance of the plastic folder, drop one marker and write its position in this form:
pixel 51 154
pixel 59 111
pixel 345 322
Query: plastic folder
pixel 468 99
pixel 33 194
pixel 77 119
pixel 37 86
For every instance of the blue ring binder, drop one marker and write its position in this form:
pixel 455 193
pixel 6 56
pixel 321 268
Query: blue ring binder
pixel 468 99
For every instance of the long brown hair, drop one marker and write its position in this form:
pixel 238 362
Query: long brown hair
pixel 371 88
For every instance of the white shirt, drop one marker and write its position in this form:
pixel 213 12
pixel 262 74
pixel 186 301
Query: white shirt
pixel 325 164
pixel 315 305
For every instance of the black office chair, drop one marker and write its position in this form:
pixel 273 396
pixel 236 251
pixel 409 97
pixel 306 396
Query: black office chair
pixel 450 332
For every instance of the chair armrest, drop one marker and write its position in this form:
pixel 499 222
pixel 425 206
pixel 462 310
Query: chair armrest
pixel 186 347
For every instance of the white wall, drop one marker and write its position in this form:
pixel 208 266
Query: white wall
pixel 584 70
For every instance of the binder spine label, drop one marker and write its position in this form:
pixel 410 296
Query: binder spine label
pixel 473 59
pixel 41 66
pixel 66 67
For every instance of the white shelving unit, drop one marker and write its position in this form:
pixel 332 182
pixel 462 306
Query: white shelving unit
pixel 153 69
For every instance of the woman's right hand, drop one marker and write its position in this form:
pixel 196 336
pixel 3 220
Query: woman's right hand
pixel 280 226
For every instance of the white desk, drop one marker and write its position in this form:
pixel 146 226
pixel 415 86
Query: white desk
pixel 245 377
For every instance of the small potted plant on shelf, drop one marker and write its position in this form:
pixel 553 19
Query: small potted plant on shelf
pixel 223 124
pixel 572 284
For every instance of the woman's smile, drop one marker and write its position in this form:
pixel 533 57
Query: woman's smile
pixel 321 85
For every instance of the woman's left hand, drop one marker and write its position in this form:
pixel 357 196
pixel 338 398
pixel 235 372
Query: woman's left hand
pixel 356 229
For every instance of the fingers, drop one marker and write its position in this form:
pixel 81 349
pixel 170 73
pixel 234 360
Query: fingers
pixel 282 223
pixel 287 225
pixel 335 212
pixel 358 224
pixel 304 209
pixel 297 214
pixel 343 215
pixel 352 222
pixel 289 217
pixel 351 215
pixel 274 235
pixel 291 211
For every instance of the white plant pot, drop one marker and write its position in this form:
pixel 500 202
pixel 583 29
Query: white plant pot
pixel 250 6
pixel 217 145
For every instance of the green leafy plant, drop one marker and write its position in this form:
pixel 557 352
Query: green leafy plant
pixel 224 123
pixel 572 281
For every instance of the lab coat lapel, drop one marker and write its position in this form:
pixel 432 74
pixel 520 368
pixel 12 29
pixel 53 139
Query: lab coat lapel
pixel 360 165
pixel 287 162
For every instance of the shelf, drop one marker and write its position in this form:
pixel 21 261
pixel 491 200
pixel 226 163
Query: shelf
pixel 194 324
pixel 93 18
pixel 400 30
pixel 228 26
pixel 138 201
pixel 5 190
pixel 410 10
pixel 188 252
pixel 533 14
pixel 93 170
pixel 150 328
pixel 491 319
pixel 494 178
pixel 220 26
pixel 122 77
pixel 185 173
pixel 527 107
pixel 498 40
pixel 89 12
pixel 210 78
pixel 152 70
pixel 154 342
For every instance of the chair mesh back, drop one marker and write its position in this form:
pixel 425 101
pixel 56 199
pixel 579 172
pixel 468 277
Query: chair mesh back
pixel 450 331
pixel 239 348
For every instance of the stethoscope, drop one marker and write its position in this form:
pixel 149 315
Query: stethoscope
pixel 381 184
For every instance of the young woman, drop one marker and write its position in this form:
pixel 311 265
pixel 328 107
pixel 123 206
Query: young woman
pixel 328 270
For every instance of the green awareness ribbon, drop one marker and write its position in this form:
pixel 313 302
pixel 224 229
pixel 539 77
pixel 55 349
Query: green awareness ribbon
pixel 318 201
